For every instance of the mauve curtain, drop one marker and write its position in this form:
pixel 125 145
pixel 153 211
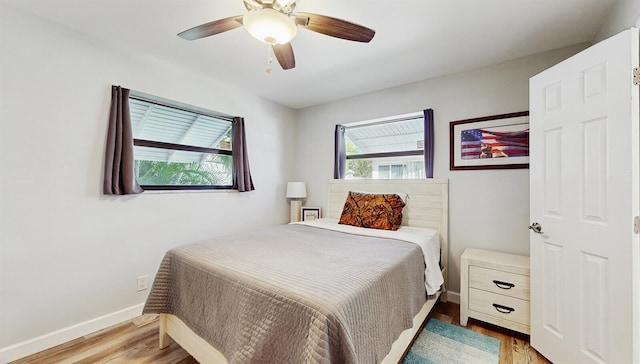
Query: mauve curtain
pixel 428 142
pixel 340 156
pixel 119 177
pixel 241 174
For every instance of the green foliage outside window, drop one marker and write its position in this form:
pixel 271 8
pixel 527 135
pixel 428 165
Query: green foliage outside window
pixel 357 168
pixel 216 170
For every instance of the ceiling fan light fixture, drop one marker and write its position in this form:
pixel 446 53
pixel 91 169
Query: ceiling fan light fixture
pixel 270 26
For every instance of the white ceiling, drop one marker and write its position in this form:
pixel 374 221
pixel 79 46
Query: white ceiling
pixel 415 39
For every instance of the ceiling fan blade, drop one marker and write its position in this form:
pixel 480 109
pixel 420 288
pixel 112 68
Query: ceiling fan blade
pixel 284 55
pixel 335 27
pixel 212 28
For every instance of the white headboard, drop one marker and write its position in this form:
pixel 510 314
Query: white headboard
pixel 427 205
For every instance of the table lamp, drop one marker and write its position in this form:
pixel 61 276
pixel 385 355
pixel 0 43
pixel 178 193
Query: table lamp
pixel 296 191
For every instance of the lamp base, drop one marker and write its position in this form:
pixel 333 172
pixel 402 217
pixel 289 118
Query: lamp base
pixel 296 205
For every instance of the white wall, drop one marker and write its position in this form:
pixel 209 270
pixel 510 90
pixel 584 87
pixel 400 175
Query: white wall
pixel 68 254
pixel 487 209
pixel 623 15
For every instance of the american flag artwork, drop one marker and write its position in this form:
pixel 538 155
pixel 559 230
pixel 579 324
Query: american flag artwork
pixel 494 143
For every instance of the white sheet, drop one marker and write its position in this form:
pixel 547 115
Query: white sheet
pixel 427 239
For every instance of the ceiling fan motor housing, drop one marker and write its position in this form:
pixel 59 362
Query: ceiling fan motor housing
pixel 284 6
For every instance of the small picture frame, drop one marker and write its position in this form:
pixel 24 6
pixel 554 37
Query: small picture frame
pixel 310 213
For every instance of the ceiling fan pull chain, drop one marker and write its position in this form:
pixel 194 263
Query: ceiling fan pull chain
pixel 269 59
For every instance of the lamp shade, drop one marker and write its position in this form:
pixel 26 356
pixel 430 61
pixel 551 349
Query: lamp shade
pixel 296 190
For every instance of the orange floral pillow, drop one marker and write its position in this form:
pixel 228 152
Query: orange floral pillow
pixel 379 211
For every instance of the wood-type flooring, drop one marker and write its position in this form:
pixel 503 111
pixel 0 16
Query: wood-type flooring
pixel 136 342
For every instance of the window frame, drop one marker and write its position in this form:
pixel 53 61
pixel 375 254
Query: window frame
pixel 387 120
pixel 183 147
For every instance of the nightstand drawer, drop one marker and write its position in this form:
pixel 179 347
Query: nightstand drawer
pixel 499 306
pixel 504 283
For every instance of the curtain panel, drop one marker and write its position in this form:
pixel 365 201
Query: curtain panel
pixel 241 174
pixel 428 143
pixel 119 177
pixel 340 155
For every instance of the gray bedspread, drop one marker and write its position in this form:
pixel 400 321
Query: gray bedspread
pixel 293 294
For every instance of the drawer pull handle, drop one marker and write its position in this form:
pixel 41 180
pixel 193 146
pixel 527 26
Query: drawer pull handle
pixel 503 285
pixel 503 309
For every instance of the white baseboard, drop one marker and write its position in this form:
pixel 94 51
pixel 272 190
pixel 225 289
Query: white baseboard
pixel 32 346
pixel 453 297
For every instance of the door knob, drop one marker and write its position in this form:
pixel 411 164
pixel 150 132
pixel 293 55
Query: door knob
pixel 537 228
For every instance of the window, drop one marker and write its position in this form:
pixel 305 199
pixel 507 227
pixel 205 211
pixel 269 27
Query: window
pixel 180 147
pixel 382 149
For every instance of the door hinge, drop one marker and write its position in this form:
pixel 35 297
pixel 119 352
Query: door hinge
pixel 636 76
pixel 636 224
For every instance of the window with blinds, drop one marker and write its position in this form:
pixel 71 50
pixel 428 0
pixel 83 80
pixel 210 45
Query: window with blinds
pixel 178 146
pixel 392 148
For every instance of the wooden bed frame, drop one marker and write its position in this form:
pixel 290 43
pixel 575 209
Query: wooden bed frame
pixel 427 206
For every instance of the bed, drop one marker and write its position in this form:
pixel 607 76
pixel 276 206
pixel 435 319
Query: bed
pixel 250 301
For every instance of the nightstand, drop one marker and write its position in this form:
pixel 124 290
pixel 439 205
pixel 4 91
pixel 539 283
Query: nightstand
pixel 494 287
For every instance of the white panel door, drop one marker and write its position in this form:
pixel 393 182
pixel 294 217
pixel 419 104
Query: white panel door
pixel 584 184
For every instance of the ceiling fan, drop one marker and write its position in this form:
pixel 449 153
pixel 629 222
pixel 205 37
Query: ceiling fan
pixel 276 22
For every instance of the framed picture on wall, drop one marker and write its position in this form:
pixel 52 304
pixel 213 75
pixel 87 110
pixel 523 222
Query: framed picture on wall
pixel 490 142
pixel 310 213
